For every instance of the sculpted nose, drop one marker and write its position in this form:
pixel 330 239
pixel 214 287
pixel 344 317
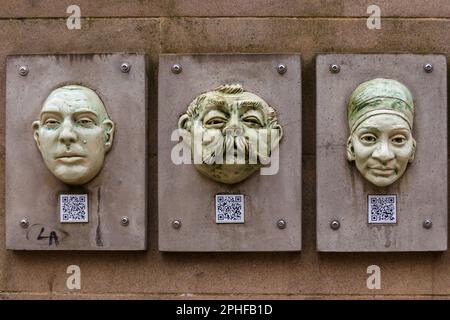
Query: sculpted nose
pixel 234 125
pixel 383 153
pixel 67 135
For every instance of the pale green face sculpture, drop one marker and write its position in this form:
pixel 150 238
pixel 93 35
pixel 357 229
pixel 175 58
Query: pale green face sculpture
pixel 380 115
pixel 230 123
pixel 73 134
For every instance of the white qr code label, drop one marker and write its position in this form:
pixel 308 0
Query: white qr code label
pixel 73 208
pixel 230 208
pixel 382 209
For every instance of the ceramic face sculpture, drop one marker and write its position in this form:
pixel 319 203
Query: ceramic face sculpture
pixel 73 134
pixel 233 132
pixel 380 118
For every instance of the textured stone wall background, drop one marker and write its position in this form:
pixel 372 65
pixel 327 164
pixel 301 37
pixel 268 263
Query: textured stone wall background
pixel 244 26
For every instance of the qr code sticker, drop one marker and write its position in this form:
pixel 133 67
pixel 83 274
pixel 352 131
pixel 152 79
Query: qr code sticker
pixel 382 208
pixel 73 208
pixel 230 208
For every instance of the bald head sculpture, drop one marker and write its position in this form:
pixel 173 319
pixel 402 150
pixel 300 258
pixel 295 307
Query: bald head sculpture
pixel 73 134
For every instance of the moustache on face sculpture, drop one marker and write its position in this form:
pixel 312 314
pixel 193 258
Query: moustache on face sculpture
pixel 220 147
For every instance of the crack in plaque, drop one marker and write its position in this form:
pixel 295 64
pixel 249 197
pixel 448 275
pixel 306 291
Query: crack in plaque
pixel 98 233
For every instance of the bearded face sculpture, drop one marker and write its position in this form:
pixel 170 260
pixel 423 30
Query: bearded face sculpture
pixel 380 118
pixel 231 133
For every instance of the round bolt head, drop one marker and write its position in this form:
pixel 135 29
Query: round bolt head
pixel 281 224
pixel 335 68
pixel 176 68
pixel 281 68
pixel 125 67
pixel 176 224
pixel 124 221
pixel 427 224
pixel 335 225
pixel 428 67
pixel 24 223
pixel 23 70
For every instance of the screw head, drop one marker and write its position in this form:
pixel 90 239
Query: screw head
pixel 24 223
pixel 23 70
pixel 428 67
pixel 281 224
pixel 176 224
pixel 176 68
pixel 427 224
pixel 335 224
pixel 335 68
pixel 124 221
pixel 281 68
pixel 125 67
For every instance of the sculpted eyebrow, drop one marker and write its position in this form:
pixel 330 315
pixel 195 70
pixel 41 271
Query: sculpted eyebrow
pixel 50 112
pixel 216 102
pixel 85 111
pixel 222 106
pixel 251 104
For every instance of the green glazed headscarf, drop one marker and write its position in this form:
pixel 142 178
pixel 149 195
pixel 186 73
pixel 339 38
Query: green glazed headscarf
pixel 380 96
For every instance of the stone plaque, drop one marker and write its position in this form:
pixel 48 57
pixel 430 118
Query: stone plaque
pixel 236 102
pixel 381 152
pixel 76 152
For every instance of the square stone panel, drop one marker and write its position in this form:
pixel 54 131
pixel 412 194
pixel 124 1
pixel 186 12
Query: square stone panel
pixel 186 195
pixel 342 192
pixel 32 192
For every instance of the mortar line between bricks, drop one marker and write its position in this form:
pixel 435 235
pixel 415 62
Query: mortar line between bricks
pixel 193 295
pixel 229 17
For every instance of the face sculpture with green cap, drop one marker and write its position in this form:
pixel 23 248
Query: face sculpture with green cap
pixel 380 118
pixel 73 134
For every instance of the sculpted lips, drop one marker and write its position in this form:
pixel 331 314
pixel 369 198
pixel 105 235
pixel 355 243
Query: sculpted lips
pixel 69 157
pixel 382 171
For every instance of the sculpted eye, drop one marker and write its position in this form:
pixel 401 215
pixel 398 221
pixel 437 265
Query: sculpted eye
pixel 216 122
pixel 85 122
pixel 252 122
pixel 368 138
pixel 51 123
pixel 398 140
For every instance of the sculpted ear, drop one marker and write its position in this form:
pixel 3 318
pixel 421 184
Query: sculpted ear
pixel 350 150
pixel 184 122
pixel 277 136
pixel 413 153
pixel 109 129
pixel 184 128
pixel 36 133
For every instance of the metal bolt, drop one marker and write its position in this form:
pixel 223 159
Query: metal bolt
pixel 124 221
pixel 176 224
pixel 176 68
pixel 23 70
pixel 24 223
pixel 335 68
pixel 428 67
pixel 281 224
pixel 125 67
pixel 335 225
pixel 427 224
pixel 281 68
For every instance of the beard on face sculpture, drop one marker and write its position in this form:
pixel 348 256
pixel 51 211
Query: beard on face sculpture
pixel 73 134
pixel 380 116
pixel 231 133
